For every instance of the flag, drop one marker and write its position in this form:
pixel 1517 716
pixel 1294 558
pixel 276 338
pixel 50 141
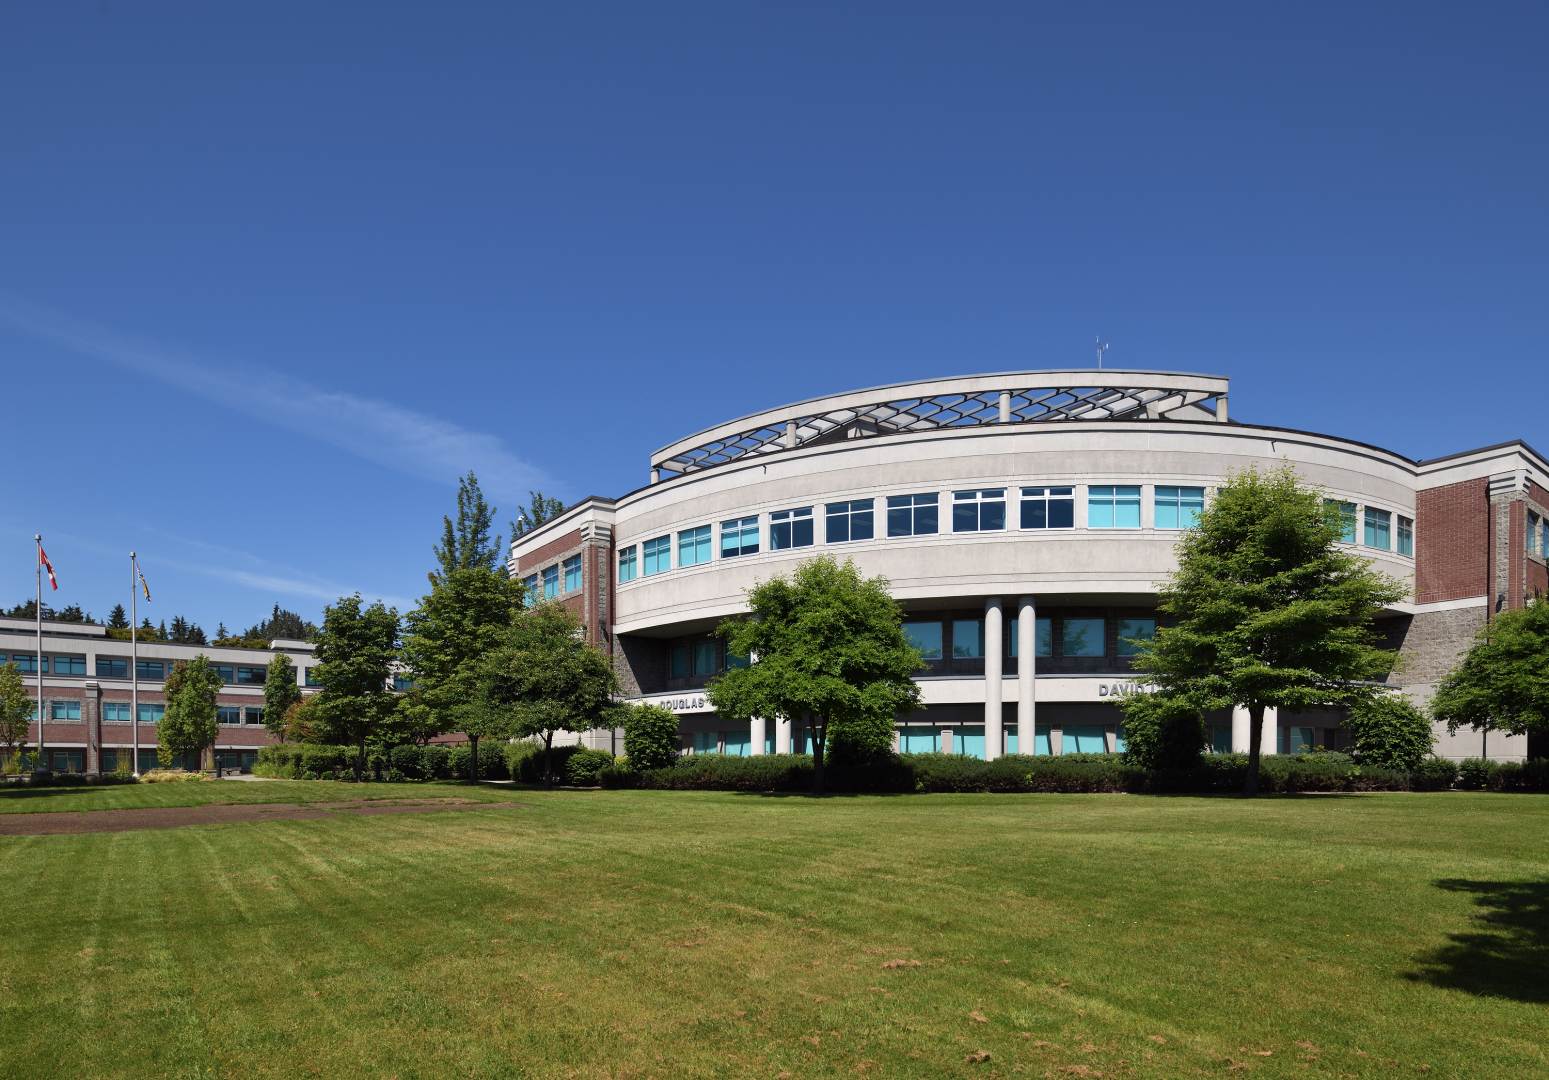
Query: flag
pixel 143 586
pixel 43 562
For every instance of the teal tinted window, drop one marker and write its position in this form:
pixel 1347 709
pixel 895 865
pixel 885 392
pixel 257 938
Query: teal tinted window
pixel 572 567
pixel 64 710
pixel 252 676
pixel 149 669
pixel 1179 507
pixel 1014 741
pixel 1379 529
pixel 628 564
pixel 1113 507
pixel 112 667
pixel 739 536
pixel 1082 637
pixel 925 636
pixel 968 741
pixel 1083 740
pixel 734 660
pixel 530 584
pixel 918 739
pixel 151 714
pixel 27 663
pixel 1406 536
pixel 116 710
pixel 1221 739
pixel 707 742
pixel 1132 630
pixel 69 665
pixel 738 743
pixel 227 673
pixel 656 555
pixel 707 655
pixel 680 661
pixel 967 639
pixel 550 582
pixel 1344 513
pixel 694 546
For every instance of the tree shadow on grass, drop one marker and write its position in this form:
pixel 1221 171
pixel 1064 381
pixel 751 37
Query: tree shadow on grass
pixel 1506 953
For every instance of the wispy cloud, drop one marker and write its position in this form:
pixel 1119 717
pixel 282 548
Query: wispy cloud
pixel 390 435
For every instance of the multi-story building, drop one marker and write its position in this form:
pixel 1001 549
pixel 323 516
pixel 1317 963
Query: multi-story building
pixel 1024 521
pixel 87 684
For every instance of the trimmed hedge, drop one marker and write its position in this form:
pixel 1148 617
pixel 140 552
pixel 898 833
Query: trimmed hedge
pixel 306 761
pixel 582 767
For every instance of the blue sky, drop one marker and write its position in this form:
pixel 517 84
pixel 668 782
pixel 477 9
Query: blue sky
pixel 271 278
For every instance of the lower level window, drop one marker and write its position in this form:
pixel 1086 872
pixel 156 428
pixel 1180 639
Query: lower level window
pixel 1132 631
pixel 115 710
pixel 152 714
pixel 925 636
pixel 918 739
pixel 968 741
pixel 64 710
pixel 1083 740
pixel 228 714
pixel 1014 742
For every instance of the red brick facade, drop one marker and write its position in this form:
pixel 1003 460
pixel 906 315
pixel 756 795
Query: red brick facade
pixel 1452 542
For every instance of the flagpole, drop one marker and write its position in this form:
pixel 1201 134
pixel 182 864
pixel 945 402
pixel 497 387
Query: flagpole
pixel 134 659
pixel 42 756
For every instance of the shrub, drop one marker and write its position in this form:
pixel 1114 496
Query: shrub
pixel 721 772
pixel 1433 774
pixel 516 754
pixel 531 766
pixel 618 775
pixel 1521 776
pixel 436 761
pixel 1476 774
pixel 407 762
pixel 169 776
pixel 1390 732
pixel 582 767
pixel 306 761
pixel 1161 732
pixel 651 736
pixel 492 760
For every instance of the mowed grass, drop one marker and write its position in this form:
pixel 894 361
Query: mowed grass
pixel 674 934
pixel 22 800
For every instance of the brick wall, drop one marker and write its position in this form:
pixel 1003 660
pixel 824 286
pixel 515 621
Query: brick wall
pixel 558 548
pixel 1452 542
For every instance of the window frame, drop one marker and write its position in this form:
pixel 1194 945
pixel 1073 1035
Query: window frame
pixel 794 522
pixel 656 552
pixel 628 559
pixel 1047 496
pixel 854 509
pixel 702 539
pixel 977 503
pixel 1112 497
pixel 1404 537
pixel 1178 499
pixel 1376 521
pixel 740 528
pixel 570 569
pixel 914 506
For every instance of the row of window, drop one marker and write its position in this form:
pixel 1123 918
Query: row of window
pixel 1537 535
pixel 1377 527
pixel 117 667
pixel 555 581
pixel 1079 636
pixel 967 740
pixel 118 712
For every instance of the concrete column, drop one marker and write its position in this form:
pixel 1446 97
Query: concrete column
pixel 782 736
pixel 1005 406
pixel 1240 729
pixel 1027 659
pixel 656 475
pixel 91 720
pixel 1270 741
pixel 790 434
pixel 946 740
pixel 757 733
pixel 994 649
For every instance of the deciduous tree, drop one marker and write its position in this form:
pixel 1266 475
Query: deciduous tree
pixel 355 651
pixel 1503 682
pixel 15 711
pixel 281 691
pixel 650 736
pixel 188 725
pixel 466 543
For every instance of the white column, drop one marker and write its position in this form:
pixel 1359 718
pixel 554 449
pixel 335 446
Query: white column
pixel 1240 729
pixel 782 736
pixel 1270 742
pixel 757 734
pixel 994 649
pixel 1027 653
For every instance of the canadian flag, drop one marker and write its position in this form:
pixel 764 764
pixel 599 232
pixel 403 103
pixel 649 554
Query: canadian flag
pixel 43 561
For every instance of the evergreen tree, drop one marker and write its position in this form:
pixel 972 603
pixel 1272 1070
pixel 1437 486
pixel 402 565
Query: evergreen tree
pixel 118 618
pixel 220 631
pixel 72 613
pixel 465 543
pixel 541 508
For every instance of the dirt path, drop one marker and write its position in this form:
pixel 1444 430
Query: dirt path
pixel 172 817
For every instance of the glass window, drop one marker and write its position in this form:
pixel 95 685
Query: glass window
pixel 228 714
pixel 311 677
pixel 734 660
pixel 1179 507
pixel 151 714
pixel 1532 534
pixel 1132 630
pixel 627 564
pixel 1345 512
pixel 113 667
pixel 968 740
pixel 1543 537
pixel 739 536
pixel 918 739
pixel 572 567
pixel 1048 508
pixel 1111 507
pixel 27 663
pixel 680 661
pixel 738 743
pixel 69 665
pixel 402 681
pixel 64 710
pixel 530 583
pixel 149 669
pixel 253 714
pixel 116 710
pixel 967 639
pixel 1082 637
pixel 551 582
pixel 694 546
pixel 707 655
pixel 1083 740
pixel 925 636
pixel 252 676
pixel 657 555
pixel 790 528
pixel 847 521
pixel 1014 741
pixel 911 515
pixel 1406 536
pixel 1379 529
pixel 983 510
pixel 707 742
pixel 227 673
pixel 1045 631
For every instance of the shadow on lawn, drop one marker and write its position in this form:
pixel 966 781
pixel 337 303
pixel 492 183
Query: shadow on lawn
pixel 12 792
pixel 1506 955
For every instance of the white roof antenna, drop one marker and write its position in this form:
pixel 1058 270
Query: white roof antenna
pixel 1102 347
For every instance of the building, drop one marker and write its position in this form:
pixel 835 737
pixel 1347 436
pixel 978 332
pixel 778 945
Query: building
pixel 87 692
pixel 1028 507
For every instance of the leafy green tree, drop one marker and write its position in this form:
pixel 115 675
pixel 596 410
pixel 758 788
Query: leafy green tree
pixel 541 508
pixel 465 543
pixel 355 652
pixel 15 711
pixel 281 691
pixel 1503 682
pixel 1267 610
pixel 650 736
pixel 118 618
pixel 544 678
pixel 1388 731
pixel 1162 732
pixel 189 723
pixel 467 614
pixel 830 654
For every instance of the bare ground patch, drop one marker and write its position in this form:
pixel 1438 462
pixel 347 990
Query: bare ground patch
pixel 173 817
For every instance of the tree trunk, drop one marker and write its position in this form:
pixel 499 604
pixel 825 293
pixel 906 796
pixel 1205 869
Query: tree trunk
pixel 360 761
pixel 1250 784
pixel 819 738
pixel 473 758
pixel 548 759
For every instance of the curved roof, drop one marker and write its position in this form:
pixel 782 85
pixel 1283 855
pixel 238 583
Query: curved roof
pixel 1018 397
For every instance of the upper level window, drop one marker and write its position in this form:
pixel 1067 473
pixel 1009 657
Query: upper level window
pixel 1044 629
pixel 1379 529
pixel 551 582
pixel 64 710
pixel 1346 512
pixel 850 520
pixel 1082 637
pixel 572 567
pixel 1048 508
pixel 252 676
pixel 117 711
pixel 69 665
pixel 734 660
pixel 694 546
pixel 311 677
pixel 1133 630
pixel 925 636
pixel 790 528
pixel 530 583
pixel 983 510
pixel 657 555
pixel 27 663
pixel 227 673
pixel 911 515
pixel 150 714
pixel 1406 535
pixel 402 681
pixel 1112 507
pixel 228 714
pixel 1532 534
pixel 149 669
pixel 967 639
pixel 1178 507
pixel 113 667
pixel 739 536
pixel 628 563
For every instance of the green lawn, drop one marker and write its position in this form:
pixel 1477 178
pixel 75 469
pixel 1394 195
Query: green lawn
pixel 20 800
pixel 666 934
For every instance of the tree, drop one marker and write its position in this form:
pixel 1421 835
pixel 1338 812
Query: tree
pixel 830 654
pixel 467 614
pixel 1162 731
pixel 650 736
pixel 147 630
pixel 281 691
pixel 28 609
pixel 1388 731
pixel 1267 610
pixel 189 723
pixel 220 628
pixel 466 544
pixel 15 710
pixel 544 678
pixel 72 613
pixel 1503 682
pixel 118 618
pixel 541 508
pixel 355 651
